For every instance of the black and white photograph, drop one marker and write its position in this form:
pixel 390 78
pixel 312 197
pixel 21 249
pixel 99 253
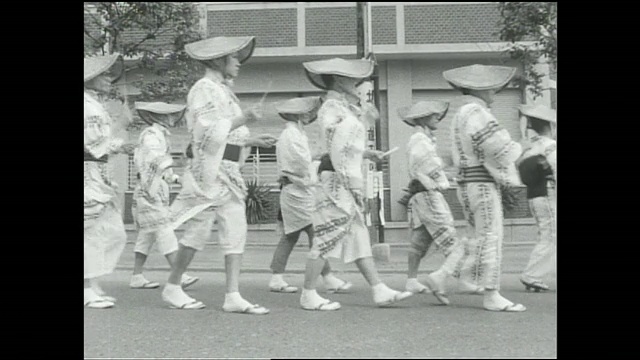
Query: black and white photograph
pixel 336 180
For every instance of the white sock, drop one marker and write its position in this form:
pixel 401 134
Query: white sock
pixel 233 297
pixel 277 279
pixel 138 277
pixel 309 294
pixel 172 287
pixel 89 293
pixel 412 280
pixel 381 287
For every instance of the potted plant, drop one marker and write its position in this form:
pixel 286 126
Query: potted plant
pixel 257 201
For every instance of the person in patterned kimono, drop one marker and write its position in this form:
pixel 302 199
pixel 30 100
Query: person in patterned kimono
pixel 297 174
pixel 212 185
pixel 154 163
pixel 538 169
pixel 485 155
pixel 338 221
pixel 431 219
pixel 104 234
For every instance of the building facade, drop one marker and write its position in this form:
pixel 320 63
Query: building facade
pixel 413 43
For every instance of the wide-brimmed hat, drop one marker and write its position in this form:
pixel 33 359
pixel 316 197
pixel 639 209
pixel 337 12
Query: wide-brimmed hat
pixel 160 112
pixel 289 109
pixel 409 114
pixel 539 112
pixel 356 69
pixel 96 65
pixel 217 47
pixel 480 77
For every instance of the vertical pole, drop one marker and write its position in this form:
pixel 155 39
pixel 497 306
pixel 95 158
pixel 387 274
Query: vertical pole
pixel 360 30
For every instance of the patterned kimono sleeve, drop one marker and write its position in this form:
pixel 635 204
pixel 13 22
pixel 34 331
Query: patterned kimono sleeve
pixel 550 152
pixel 296 158
pixel 426 166
pixel 152 159
pixel 97 131
pixel 209 105
pixel 346 155
pixel 495 145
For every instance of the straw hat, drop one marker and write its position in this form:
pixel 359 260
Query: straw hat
pixel 409 114
pixel 160 112
pixel 539 112
pixel 96 65
pixel 298 106
pixel 217 47
pixel 356 69
pixel 480 77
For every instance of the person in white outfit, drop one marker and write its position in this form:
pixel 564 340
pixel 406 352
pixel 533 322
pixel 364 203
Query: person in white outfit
pixel 538 168
pixel 297 174
pixel 212 185
pixel 338 221
pixel 431 220
pixel 104 234
pixel 152 215
pixel 485 155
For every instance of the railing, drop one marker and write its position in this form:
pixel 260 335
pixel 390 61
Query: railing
pixel 260 167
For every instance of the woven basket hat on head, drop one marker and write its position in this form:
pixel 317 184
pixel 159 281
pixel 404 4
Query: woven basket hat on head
pixel 480 77
pixel 290 109
pixel 217 47
pixel 160 112
pixel 409 114
pixel 539 112
pixel 355 69
pixel 96 65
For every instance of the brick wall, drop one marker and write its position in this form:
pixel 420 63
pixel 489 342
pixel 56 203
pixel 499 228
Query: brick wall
pixel 162 43
pixel 383 19
pixel 94 30
pixel 330 26
pixel 271 27
pixel 460 23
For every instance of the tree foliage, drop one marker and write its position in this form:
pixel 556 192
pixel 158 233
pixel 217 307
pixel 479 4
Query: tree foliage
pixel 534 22
pixel 153 33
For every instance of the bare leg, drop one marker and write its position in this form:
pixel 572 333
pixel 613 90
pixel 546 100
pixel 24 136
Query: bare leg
pixel 283 251
pixel 326 270
pixel 171 258
pixel 183 259
pixel 138 264
pixel 232 264
pixel 368 269
pixel 312 271
pixel 414 264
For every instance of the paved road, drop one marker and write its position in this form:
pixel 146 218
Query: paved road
pixel 142 326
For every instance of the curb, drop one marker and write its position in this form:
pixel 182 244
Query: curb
pixel 289 271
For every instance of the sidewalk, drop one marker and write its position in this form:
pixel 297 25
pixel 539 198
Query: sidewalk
pixel 257 259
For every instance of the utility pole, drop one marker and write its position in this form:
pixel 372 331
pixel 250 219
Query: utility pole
pixel 372 89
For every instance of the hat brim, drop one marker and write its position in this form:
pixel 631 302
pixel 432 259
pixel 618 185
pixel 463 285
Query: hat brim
pixel 219 47
pixel 537 113
pixel 295 118
pixel 95 66
pixel 354 69
pixel 476 78
pixel 410 119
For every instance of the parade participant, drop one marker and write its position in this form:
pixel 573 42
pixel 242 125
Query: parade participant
pixel 338 220
pixel 212 185
pixel 153 161
pixel 104 234
pixel 485 154
pixel 296 196
pixel 431 219
pixel 538 169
